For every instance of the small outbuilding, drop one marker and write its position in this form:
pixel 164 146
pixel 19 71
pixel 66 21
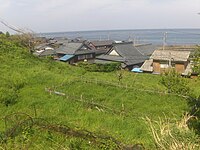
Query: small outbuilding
pixel 162 60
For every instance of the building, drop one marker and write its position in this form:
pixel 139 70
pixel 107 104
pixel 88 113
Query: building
pixel 125 53
pixel 146 49
pixel 102 45
pixel 44 49
pixel 162 60
pixel 74 52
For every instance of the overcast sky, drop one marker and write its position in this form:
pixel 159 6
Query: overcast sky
pixel 78 15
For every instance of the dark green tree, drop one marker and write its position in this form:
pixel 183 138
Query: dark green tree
pixel 194 104
pixel 175 83
pixel 196 60
pixel 7 34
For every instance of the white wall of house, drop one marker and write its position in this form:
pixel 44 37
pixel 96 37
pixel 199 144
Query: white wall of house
pixel 113 52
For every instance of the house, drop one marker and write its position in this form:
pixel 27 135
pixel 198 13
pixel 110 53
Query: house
pixel 57 41
pixel 125 53
pixel 162 60
pixel 43 46
pixel 146 49
pixel 74 52
pixel 44 53
pixel 44 49
pixel 102 45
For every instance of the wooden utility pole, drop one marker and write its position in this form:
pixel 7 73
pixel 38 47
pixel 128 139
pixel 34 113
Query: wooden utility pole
pixel 134 41
pixel 108 35
pixel 170 60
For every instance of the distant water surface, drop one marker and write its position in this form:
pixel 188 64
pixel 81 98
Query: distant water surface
pixel 154 36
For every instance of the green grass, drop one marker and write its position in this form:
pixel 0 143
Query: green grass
pixel 31 75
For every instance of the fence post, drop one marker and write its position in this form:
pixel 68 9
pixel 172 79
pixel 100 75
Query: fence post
pixel 5 121
pixel 35 111
pixel 122 110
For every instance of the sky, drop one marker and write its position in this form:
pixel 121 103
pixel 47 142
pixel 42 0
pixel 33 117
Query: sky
pixel 85 15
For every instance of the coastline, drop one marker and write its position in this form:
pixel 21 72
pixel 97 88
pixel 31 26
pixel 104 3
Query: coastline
pixel 154 36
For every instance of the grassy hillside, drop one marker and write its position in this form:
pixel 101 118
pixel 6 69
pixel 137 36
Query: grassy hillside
pixel 68 95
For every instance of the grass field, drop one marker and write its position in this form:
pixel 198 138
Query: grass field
pixel 96 102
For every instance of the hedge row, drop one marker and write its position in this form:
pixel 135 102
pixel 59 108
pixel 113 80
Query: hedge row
pixel 109 67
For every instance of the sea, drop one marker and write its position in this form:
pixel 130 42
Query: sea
pixel 153 36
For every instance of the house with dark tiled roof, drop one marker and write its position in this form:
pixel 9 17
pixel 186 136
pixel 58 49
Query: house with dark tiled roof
pixel 102 45
pixel 74 52
pixel 146 49
pixel 125 53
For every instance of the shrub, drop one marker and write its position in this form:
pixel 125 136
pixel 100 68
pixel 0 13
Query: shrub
pixel 196 61
pixel 109 67
pixel 175 83
pixel 194 103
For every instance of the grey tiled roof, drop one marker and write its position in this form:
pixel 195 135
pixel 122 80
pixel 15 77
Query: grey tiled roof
pixel 45 53
pixel 146 49
pixel 111 58
pixel 69 48
pixel 83 51
pixel 128 54
pixel 74 49
pixel 99 61
pixel 174 55
pixel 102 43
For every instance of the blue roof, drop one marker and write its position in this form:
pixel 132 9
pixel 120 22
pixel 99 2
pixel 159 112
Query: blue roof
pixel 66 57
pixel 136 70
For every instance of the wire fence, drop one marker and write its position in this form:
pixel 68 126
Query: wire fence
pixel 22 121
pixel 119 84
pixel 92 102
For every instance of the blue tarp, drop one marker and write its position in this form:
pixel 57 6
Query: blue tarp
pixel 136 70
pixel 66 57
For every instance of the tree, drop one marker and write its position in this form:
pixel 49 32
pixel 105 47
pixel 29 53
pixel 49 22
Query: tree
pixel 26 36
pixel 7 34
pixel 196 60
pixel 194 105
pixel 175 83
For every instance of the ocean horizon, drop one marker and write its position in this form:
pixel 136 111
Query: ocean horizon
pixel 154 36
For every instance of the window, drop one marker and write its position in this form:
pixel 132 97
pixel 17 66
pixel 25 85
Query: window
pixel 89 56
pixel 173 64
pixel 81 57
pixel 164 65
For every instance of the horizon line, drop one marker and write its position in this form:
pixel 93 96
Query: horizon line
pixel 101 30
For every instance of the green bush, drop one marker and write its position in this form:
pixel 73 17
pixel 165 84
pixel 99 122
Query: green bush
pixel 109 67
pixel 196 61
pixel 194 104
pixel 175 83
